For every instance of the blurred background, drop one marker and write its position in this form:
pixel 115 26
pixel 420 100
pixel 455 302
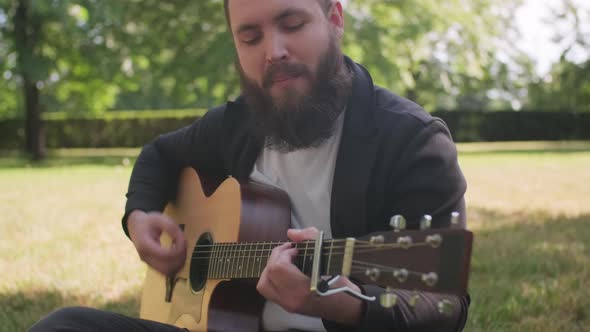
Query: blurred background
pixel 85 83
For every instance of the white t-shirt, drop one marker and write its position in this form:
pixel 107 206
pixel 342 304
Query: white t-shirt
pixel 306 175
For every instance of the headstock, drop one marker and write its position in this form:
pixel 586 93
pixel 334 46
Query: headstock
pixel 431 260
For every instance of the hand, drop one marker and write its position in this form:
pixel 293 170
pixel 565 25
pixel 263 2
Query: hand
pixel 283 283
pixel 145 230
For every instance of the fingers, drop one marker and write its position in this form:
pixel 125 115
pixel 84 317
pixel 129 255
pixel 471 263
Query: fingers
pixel 298 235
pixel 281 281
pixel 147 230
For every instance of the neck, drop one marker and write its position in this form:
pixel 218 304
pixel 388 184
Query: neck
pixel 247 260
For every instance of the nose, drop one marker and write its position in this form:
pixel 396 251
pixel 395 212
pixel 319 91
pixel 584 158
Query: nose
pixel 276 48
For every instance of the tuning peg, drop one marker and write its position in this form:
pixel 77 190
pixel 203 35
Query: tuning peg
pixel 401 275
pixel 388 300
pixel 445 307
pixel 455 218
pixel 434 240
pixel 405 242
pixel 379 239
pixel 430 279
pixel 413 300
pixel 425 222
pixel 397 222
pixel 373 273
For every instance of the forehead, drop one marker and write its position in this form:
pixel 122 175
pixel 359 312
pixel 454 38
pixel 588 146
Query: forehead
pixel 258 11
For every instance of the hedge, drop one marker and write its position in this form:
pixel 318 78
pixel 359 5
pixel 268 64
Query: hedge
pixel 133 129
pixel 516 126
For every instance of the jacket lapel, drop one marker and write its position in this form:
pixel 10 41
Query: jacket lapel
pixel 356 156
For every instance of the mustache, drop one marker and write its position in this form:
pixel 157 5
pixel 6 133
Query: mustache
pixel 286 69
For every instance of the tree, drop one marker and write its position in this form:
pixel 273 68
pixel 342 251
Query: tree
pixel 434 52
pixel 87 56
pixel 567 86
pixel 44 42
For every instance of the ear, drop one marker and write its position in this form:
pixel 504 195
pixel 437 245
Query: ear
pixel 336 18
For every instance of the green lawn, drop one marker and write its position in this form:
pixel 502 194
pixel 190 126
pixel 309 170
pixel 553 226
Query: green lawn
pixel 61 241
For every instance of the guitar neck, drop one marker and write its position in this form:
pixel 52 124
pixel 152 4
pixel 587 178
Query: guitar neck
pixel 247 260
pixel 435 260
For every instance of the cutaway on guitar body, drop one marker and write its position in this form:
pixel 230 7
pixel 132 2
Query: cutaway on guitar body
pixel 233 213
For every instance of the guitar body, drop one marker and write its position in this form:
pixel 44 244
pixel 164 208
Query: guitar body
pixel 234 212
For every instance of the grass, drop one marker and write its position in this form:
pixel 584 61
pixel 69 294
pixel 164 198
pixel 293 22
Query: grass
pixel 61 242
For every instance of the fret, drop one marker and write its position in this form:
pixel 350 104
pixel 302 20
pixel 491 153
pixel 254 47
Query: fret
pixel 233 265
pixel 218 260
pixel 213 259
pixel 304 257
pixel 261 260
pixel 211 262
pixel 224 266
pixel 253 247
pixel 329 258
pixel 247 256
pixel 234 260
pixel 258 257
pixel 258 260
pixel 266 255
pixel 239 259
pixel 245 260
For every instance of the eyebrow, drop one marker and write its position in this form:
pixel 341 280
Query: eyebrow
pixel 281 16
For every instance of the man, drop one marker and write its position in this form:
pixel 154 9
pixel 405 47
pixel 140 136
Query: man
pixel 349 154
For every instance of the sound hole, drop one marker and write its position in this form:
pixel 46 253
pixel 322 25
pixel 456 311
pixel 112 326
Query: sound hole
pixel 200 262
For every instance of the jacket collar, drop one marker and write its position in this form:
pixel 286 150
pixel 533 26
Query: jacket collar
pixel 360 115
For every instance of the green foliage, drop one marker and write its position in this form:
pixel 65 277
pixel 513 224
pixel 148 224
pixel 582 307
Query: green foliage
pixel 91 56
pixel 440 54
pixel 110 129
pixel 469 126
pixel 567 87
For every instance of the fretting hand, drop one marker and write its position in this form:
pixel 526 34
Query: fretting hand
pixel 283 283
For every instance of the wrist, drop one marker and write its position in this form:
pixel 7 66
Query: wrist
pixel 342 308
pixel 132 221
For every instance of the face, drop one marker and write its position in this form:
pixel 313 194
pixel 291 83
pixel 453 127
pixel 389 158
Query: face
pixel 291 68
pixel 279 43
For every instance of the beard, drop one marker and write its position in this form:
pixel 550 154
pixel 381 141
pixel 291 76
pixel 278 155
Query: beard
pixel 299 119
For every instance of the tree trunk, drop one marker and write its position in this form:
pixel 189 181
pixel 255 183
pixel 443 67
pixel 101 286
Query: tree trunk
pixel 35 142
pixel 25 35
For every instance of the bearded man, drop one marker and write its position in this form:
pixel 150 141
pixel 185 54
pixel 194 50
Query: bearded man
pixel 310 121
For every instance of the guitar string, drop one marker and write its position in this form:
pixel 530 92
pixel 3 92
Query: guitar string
pixel 357 264
pixel 226 257
pixel 369 248
pixel 359 268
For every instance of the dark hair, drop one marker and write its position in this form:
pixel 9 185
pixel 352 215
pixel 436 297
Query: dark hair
pixel 326 4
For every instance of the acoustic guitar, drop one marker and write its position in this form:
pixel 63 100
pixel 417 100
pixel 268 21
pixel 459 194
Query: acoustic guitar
pixel 231 233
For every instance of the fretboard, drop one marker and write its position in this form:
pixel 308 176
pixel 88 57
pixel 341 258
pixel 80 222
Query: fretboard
pixel 247 260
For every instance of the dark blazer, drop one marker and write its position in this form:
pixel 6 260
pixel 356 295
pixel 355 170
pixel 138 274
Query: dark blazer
pixel 394 158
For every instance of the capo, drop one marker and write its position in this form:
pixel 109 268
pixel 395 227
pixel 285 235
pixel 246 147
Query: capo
pixel 322 286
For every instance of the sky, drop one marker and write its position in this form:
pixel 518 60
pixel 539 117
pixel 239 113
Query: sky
pixel 536 35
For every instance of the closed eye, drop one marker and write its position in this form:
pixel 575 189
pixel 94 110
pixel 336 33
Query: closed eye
pixel 249 37
pixel 293 27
